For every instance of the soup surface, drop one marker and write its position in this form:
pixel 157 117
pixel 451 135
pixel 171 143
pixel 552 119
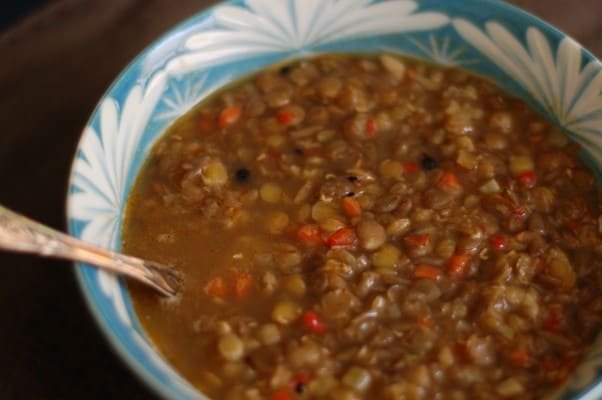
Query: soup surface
pixel 363 227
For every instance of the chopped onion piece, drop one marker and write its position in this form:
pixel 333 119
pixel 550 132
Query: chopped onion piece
pixel 394 66
pixel 491 186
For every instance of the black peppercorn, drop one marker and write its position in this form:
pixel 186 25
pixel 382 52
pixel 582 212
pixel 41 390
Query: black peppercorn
pixel 286 70
pixel 352 178
pixel 242 175
pixel 428 162
pixel 300 388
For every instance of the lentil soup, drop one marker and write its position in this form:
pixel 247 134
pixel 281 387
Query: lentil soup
pixel 361 227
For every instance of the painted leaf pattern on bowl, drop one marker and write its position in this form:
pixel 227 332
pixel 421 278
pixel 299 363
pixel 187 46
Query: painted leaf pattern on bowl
pixel 570 93
pixel 258 27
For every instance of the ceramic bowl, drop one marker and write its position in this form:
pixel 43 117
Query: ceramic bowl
pixel 522 54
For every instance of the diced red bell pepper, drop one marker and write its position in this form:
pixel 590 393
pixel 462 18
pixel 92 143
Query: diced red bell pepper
pixel 527 179
pixel 351 207
pixel 229 116
pixel 310 234
pixel 426 323
pixel 498 242
pixel 281 394
pixel 410 167
pixel 520 357
pixel 416 240
pixel 519 212
pixel 553 322
pixel 371 127
pixel 300 379
pixel 313 323
pixel 450 183
pixel 425 271
pixel 217 287
pixel 342 237
pixel 243 283
pixel 285 117
pixel 206 124
pixel 458 264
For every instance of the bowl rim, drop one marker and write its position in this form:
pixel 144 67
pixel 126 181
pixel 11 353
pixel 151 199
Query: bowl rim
pixel 135 365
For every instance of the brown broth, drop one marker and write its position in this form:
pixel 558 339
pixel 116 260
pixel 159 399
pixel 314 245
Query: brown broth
pixel 465 257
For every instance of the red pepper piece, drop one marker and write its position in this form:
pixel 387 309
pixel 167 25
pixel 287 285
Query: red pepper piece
pixel 520 357
pixel 416 240
pixel 281 394
pixel 425 271
pixel 243 284
pixel 285 117
pixel 519 212
pixel 310 234
pixel 426 323
pixel 450 183
pixel 498 242
pixel 554 322
pixel 229 115
pixel 410 167
pixel 313 323
pixel 371 127
pixel 527 179
pixel 206 124
pixel 299 378
pixel 299 383
pixel 217 287
pixel 351 207
pixel 458 264
pixel 342 237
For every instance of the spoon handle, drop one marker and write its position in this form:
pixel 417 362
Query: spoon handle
pixel 20 234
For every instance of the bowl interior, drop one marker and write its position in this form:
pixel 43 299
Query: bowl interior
pixel 520 53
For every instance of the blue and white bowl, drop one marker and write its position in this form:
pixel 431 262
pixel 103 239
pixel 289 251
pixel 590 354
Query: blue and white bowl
pixel 522 54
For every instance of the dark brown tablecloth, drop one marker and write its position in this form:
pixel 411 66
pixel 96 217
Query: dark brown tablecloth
pixel 55 66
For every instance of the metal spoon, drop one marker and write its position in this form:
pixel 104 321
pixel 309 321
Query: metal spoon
pixel 21 234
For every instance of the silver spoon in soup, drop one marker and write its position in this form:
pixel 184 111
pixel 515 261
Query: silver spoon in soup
pixel 23 235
